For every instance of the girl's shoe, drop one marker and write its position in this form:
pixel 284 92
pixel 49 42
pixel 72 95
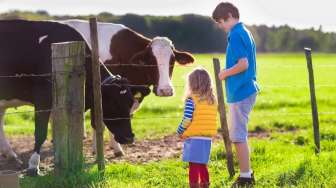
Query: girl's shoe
pixel 204 185
pixel 195 185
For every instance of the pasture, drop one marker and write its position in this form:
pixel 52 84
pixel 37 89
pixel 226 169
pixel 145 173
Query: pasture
pixel 281 133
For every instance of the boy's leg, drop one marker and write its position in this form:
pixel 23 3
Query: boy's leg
pixel 243 155
pixel 239 116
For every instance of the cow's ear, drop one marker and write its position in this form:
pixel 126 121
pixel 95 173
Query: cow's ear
pixel 139 57
pixel 145 91
pixel 183 58
pixel 139 92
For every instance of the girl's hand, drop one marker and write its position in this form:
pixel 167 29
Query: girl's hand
pixel 180 136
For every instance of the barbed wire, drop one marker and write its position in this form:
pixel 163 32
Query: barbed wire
pixel 298 86
pixel 31 111
pixel 172 117
pixel 144 65
pixel 147 85
pixel 296 66
pixel 291 114
pixel 195 65
pixel 141 118
pixel 191 65
pixel 180 85
pixel 175 117
pixel 138 85
pixel 71 56
pixel 133 65
pixel 24 75
pixel 180 117
pixel 261 86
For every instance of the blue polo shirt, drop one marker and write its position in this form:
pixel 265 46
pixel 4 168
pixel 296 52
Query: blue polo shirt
pixel 241 45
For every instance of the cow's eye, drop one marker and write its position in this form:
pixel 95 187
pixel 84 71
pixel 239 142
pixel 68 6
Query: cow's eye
pixel 122 92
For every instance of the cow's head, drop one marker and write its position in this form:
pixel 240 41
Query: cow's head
pixel 158 59
pixel 117 102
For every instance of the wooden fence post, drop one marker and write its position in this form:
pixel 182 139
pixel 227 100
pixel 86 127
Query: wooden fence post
pixel 68 105
pixel 97 98
pixel 223 120
pixel 313 100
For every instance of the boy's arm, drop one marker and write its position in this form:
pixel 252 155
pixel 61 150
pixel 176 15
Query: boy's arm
pixel 241 66
pixel 187 117
pixel 239 55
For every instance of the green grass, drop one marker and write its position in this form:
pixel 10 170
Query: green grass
pixel 284 159
pixel 277 162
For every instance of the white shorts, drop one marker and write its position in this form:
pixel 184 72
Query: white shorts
pixel 238 118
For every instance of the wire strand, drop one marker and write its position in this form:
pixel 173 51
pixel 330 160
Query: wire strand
pixel 31 111
pixel 143 65
pixel 23 75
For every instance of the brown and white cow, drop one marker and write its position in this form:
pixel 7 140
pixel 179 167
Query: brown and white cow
pixel 141 60
pixel 119 45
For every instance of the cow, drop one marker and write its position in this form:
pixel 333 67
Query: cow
pixel 25 49
pixel 143 61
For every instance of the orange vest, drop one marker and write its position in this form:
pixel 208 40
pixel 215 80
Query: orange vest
pixel 204 119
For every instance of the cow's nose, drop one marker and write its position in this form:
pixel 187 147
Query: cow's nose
pixel 129 140
pixel 165 92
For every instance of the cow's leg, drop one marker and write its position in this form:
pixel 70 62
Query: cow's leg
pixel 94 142
pixel 84 131
pixel 117 149
pixel 5 148
pixel 41 130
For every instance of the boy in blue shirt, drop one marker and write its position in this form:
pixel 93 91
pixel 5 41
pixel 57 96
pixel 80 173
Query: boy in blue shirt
pixel 240 83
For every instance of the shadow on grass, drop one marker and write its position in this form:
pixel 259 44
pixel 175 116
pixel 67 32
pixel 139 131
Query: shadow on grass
pixel 75 179
pixel 314 171
pixel 278 127
pixel 159 110
pixel 292 178
pixel 330 136
pixel 274 105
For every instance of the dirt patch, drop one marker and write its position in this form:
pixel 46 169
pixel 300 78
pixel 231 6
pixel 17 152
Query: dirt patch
pixel 142 151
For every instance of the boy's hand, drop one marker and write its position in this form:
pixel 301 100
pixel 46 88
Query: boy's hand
pixel 222 75
pixel 241 66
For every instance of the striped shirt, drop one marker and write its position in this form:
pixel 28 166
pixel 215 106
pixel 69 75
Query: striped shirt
pixel 187 116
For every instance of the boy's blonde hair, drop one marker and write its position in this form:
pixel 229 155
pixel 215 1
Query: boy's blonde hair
pixel 199 83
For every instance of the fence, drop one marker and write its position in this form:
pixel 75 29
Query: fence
pixel 68 81
pixel 68 103
pixel 97 112
pixel 180 85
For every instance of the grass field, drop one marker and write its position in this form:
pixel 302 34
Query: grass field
pixel 283 158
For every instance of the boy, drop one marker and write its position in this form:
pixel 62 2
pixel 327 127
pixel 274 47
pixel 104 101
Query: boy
pixel 240 83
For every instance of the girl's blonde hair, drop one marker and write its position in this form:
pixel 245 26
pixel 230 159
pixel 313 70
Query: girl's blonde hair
pixel 199 83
